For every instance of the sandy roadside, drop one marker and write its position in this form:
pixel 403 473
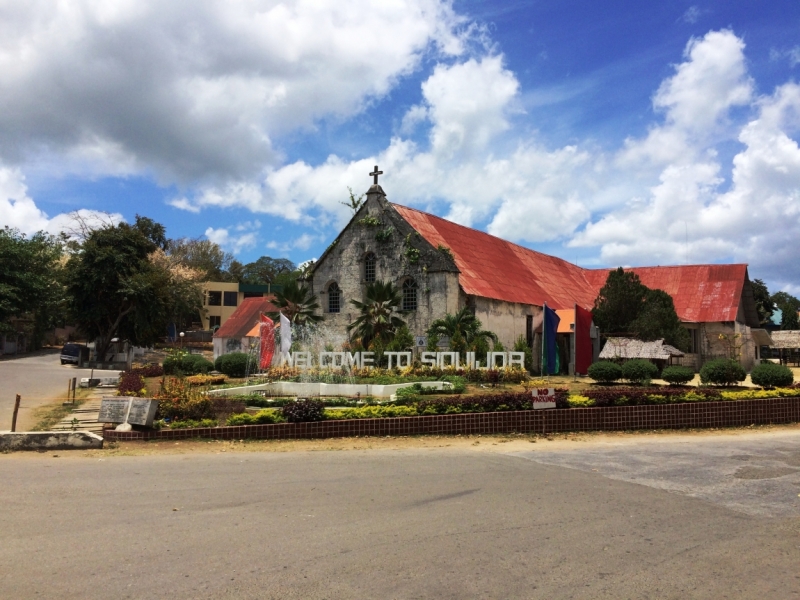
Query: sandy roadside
pixel 475 443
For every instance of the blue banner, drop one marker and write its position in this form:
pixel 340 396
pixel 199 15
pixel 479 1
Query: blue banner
pixel 550 362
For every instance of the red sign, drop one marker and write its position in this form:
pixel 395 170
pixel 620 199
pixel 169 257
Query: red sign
pixel 544 398
pixel 267 342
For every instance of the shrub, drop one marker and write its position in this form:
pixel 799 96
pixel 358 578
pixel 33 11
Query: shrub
pixel 131 384
pixel 186 364
pixel 677 375
pixel 580 401
pixel 372 412
pixel 623 396
pixel 769 375
pixel 177 400
pixel 639 371
pixel 236 364
pixel 192 424
pixel 722 371
pixel 605 371
pixel 205 379
pixel 485 403
pixel 149 370
pixel 303 411
pixel 262 417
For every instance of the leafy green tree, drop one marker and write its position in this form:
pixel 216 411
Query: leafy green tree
pixel 789 306
pixel 403 341
pixel 657 320
pixel 619 302
pixel 764 304
pixel 205 256
pixel 297 304
pixel 377 320
pixel 119 288
pixel 521 345
pixel 626 306
pixel 464 324
pixel 269 270
pixel 30 281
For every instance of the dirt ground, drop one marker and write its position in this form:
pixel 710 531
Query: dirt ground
pixel 477 443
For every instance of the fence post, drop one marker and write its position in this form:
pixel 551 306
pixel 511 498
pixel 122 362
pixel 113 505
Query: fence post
pixel 74 385
pixel 16 410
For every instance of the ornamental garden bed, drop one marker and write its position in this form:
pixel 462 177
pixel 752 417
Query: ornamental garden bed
pixel 724 413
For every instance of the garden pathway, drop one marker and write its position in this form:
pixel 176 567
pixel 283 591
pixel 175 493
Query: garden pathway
pixel 86 416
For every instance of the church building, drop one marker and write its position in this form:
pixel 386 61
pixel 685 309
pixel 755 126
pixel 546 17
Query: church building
pixel 440 267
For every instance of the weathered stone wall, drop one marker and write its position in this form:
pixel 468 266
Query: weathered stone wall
pixel 742 347
pixel 401 255
pixel 508 320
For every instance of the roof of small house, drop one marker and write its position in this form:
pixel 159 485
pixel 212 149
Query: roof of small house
pixel 491 267
pixel 245 317
pixel 785 339
pixel 631 348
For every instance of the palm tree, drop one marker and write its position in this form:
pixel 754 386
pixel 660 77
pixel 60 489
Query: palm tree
pixel 465 323
pixel 377 319
pixel 297 304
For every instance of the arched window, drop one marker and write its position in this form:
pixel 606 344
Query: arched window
pixel 409 294
pixel 334 298
pixel 369 267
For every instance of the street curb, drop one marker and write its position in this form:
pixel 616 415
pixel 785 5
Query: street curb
pixel 49 440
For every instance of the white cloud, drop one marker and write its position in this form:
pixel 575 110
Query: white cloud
pixel 19 211
pixel 197 91
pixel 692 15
pixel 245 238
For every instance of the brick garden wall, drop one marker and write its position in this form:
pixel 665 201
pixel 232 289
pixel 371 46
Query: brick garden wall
pixel 612 418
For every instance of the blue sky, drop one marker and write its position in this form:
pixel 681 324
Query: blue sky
pixel 615 133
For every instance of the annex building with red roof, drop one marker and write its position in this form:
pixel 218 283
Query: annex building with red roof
pixel 441 266
pixel 240 329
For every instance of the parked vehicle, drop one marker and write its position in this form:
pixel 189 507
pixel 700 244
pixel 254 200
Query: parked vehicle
pixel 72 353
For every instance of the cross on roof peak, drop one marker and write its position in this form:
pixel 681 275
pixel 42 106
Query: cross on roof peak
pixel 375 174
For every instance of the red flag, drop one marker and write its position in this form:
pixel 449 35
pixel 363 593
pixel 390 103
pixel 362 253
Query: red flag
pixel 267 341
pixel 583 340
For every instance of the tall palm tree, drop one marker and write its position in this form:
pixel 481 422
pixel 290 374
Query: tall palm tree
pixel 377 319
pixel 465 323
pixel 297 304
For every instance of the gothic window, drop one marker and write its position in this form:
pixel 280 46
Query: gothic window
pixel 334 298
pixel 369 268
pixel 409 294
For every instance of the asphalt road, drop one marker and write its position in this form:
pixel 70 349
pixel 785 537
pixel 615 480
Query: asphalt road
pixel 39 379
pixel 423 523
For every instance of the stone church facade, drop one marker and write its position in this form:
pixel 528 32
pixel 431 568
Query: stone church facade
pixel 440 267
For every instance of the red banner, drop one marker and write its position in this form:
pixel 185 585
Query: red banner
pixel 267 342
pixel 583 340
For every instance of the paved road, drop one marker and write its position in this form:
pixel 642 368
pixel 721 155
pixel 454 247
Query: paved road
pixel 432 523
pixel 39 380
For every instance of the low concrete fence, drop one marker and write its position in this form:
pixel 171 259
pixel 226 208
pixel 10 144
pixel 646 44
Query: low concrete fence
pixel 613 418
pixel 49 440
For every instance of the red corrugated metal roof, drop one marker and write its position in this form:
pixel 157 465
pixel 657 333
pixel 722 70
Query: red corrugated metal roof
pixel 701 293
pixel 245 317
pixel 495 268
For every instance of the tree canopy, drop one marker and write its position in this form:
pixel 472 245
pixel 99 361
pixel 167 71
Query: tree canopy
pixel 30 285
pixel 764 304
pixel 789 305
pixel 625 306
pixel 463 325
pixel 205 256
pixel 269 270
pixel 121 284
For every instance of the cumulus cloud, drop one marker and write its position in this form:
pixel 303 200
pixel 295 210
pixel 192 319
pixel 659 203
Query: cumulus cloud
pixel 19 211
pixel 197 91
pixel 244 236
pixel 690 214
